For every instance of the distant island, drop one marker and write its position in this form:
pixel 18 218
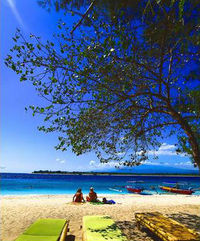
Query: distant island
pixel 111 173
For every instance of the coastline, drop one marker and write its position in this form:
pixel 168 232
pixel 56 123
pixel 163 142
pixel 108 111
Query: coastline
pixel 110 174
pixel 19 211
pixel 99 194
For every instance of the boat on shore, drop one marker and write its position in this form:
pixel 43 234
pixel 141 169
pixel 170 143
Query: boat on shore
pixel 146 192
pixel 134 189
pixel 177 190
pixel 114 189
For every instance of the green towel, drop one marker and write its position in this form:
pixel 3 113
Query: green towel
pixel 97 203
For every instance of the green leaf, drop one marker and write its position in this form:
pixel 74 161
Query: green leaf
pixel 46 91
pixel 54 80
pixel 38 46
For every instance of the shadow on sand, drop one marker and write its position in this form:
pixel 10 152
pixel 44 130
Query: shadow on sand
pixel 131 231
pixel 70 238
pixel 189 220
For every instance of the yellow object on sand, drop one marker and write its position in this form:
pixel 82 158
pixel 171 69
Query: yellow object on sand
pixel 166 228
pixel 101 228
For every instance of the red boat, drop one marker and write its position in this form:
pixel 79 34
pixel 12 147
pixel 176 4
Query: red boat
pixel 176 190
pixel 134 189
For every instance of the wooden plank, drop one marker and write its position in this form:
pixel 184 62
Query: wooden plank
pixel 166 228
pixel 64 232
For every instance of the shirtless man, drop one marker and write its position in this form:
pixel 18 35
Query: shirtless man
pixel 92 197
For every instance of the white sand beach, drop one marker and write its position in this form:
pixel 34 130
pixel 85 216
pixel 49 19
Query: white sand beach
pixel 18 212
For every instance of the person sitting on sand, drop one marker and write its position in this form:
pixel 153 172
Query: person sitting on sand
pixel 92 197
pixel 78 197
pixel 105 201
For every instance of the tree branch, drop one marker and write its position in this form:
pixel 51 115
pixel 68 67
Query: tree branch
pixel 140 65
pixel 83 16
pixel 162 54
pixel 169 73
pixel 161 125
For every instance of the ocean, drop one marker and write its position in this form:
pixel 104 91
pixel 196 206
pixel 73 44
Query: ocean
pixel 26 184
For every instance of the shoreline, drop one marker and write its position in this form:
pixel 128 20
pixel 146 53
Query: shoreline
pixel 99 194
pixel 127 195
pixel 111 174
pixel 18 212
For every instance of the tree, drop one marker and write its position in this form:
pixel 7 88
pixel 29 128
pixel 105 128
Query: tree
pixel 110 8
pixel 119 86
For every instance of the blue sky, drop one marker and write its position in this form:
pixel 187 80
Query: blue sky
pixel 23 147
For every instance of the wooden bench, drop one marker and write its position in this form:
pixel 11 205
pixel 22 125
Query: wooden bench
pixel 166 228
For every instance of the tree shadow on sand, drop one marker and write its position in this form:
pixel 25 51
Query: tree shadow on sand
pixel 109 232
pixel 133 233
pixel 70 238
pixel 189 220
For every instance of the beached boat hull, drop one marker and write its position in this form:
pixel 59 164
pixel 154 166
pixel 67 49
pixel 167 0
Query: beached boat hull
pixel 175 190
pixel 134 190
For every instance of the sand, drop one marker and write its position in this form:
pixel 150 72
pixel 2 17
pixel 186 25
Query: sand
pixel 18 212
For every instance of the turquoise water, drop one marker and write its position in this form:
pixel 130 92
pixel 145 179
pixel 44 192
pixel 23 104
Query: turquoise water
pixel 23 184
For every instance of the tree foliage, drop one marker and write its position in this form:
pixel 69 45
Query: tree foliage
pixel 121 83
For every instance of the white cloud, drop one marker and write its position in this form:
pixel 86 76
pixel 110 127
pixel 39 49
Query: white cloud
pixel 166 163
pixel 96 165
pixel 60 161
pixel 151 163
pixel 2 167
pixel 120 153
pixel 92 163
pixel 12 5
pixel 167 150
pixel 188 164
pixel 166 146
